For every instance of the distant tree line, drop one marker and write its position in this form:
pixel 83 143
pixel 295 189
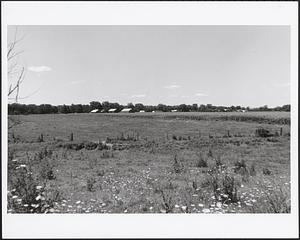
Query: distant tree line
pixel 16 108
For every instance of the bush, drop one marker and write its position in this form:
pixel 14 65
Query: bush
pixel 261 132
pixel 240 167
pixel 267 171
pixel 223 185
pixel 177 165
pixel 201 163
pixel 107 154
pixel 252 170
pixel 90 184
pixel 27 196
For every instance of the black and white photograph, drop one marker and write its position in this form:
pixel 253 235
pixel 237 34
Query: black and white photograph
pixel 132 119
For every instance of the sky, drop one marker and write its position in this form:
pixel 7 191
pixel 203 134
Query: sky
pixel 219 65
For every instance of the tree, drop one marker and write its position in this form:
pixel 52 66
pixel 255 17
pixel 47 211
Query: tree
pixel 95 105
pixel 16 71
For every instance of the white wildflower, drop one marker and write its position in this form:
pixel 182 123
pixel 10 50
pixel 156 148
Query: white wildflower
pixel 205 210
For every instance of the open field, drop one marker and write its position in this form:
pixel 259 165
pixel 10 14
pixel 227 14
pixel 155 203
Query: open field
pixel 150 163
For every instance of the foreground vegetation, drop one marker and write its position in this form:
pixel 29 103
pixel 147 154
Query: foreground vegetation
pixel 130 163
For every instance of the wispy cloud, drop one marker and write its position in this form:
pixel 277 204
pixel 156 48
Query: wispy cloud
pixel 77 82
pixel 39 69
pixel 172 86
pixel 201 95
pixel 138 95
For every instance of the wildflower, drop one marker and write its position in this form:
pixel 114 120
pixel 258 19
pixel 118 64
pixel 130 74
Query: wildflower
pixel 206 210
pixel 183 208
pixel 78 202
pixel 219 204
pixel 38 187
pixel 51 210
pixel 125 211
pixel 14 197
pixel 176 206
pixel 151 208
pixel 200 205
pixel 25 205
pixel 38 197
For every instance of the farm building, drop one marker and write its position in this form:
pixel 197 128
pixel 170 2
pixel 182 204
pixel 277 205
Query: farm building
pixel 126 110
pixel 174 110
pixel 142 111
pixel 94 111
pixel 112 110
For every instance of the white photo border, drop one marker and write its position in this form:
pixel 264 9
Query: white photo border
pixel 153 225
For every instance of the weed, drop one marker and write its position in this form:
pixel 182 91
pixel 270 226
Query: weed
pixel 90 184
pixel 252 170
pixel 177 165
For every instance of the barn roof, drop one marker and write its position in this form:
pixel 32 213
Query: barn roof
pixel 126 109
pixel 112 110
pixel 94 110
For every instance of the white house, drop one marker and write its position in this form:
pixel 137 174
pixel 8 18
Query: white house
pixel 112 110
pixel 142 111
pixel 126 110
pixel 94 111
pixel 174 110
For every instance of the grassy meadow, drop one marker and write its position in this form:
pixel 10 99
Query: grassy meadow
pixel 150 163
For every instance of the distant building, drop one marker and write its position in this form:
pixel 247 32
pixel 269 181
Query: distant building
pixel 112 110
pixel 174 110
pixel 94 111
pixel 126 110
pixel 142 111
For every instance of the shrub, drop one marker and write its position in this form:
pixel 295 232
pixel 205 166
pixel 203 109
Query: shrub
pixel 40 138
pixel 267 171
pixel 107 154
pixel 218 161
pixel 252 170
pixel 27 196
pixel 100 172
pixel 201 163
pixel 240 167
pixel 223 185
pixel 210 153
pixel 262 132
pixel 177 165
pixel 90 184
pixel 167 201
